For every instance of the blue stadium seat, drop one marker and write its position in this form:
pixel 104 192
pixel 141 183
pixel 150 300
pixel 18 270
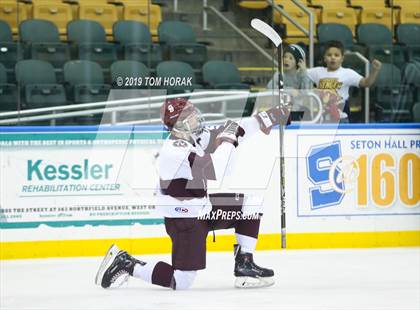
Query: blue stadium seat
pixel 38 84
pixel 409 36
pixel 377 38
pixel 136 42
pixel 42 41
pixel 89 39
pixel 181 44
pixel 9 51
pixel 394 100
pixel 85 84
pixel 8 92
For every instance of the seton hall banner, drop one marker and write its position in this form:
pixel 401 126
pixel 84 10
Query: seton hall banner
pixel 358 171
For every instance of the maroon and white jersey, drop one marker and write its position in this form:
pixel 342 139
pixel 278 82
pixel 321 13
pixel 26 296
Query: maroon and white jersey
pixel 186 166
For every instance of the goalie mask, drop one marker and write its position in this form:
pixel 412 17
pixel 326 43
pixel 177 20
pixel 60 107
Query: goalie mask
pixel 182 118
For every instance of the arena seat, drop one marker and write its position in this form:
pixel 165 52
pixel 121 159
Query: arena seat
pixel 416 112
pixel 130 1
pixel 177 69
pixel 346 16
pixel 58 13
pixel 126 69
pixel 329 3
pixel 394 99
pixel 8 92
pixel 404 3
pixel 411 77
pixel 298 15
pixel 103 13
pixel 410 14
pixel 3 74
pixel 5 32
pixel 181 44
pixel 42 41
pixel 365 4
pixel 12 13
pixel 9 51
pixel 377 15
pixel 74 4
pixel 409 36
pixel 320 5
pixel 136 42
pixel 41 89
pixel 86 81
pixel 225 75
pixel 377 38
pixel 219 74
pixel 355 63
pixel 253 5
pixel 150 15
pixel 89 38
pixel 333 31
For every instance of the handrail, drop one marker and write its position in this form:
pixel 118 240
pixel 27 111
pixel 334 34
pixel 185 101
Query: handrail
pixel 157 105
pixel 115 102
pixel 158 120
pixel 309 33
pixel 205 21
pixel 317 119
pixel 367 92
pixel 311 30
pixel 283 12
pixel 240 32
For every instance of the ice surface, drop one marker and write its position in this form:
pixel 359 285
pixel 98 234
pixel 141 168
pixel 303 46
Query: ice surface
pixel 305 279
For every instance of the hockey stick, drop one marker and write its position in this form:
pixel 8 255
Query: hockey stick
pixel 274 37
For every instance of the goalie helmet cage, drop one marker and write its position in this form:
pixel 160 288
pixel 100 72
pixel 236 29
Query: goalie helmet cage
pixel 275 38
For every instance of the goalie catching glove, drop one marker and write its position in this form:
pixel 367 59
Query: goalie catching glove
pixel 231 132
pixel 274 116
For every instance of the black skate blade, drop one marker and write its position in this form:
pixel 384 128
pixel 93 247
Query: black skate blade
pixel 106 262
pixel 251 282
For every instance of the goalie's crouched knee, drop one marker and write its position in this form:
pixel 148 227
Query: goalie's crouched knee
pixel 183 280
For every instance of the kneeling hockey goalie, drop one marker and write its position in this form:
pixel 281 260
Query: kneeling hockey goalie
pixel 190 157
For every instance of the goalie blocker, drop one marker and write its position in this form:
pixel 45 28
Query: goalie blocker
pixel 274 116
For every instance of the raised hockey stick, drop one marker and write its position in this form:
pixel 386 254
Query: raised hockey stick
pixel 275 38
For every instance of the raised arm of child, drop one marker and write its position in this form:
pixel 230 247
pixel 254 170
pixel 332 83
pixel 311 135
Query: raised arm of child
pixel 305 81
pixel 371 78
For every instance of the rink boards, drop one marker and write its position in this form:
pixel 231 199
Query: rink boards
pixel 73 191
